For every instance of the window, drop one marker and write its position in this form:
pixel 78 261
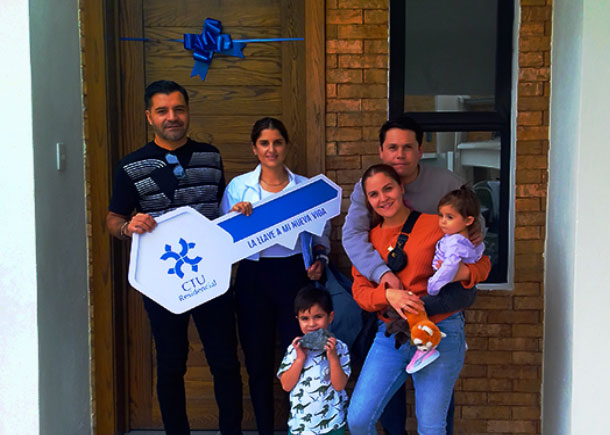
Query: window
pixel 451 65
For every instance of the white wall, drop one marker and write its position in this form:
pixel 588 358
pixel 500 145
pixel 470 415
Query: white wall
pixel 18 328
pixel 576 385
pixel 61 251
pixel 591 387
pixel 44 328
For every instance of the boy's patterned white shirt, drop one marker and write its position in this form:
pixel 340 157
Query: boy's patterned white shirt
pixel 315 406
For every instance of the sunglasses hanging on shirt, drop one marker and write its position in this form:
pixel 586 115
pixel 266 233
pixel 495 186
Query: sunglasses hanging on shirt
pixel 179 172
pixel 397 259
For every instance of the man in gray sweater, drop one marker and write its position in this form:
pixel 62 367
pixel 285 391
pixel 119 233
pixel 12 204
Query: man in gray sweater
pixel 400 146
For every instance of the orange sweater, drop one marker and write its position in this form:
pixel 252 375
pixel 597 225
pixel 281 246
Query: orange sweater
pixel 420 253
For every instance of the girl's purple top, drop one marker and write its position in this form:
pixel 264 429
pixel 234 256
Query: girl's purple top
pixel 451 250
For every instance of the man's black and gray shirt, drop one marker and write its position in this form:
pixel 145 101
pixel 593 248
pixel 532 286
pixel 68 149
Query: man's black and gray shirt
pixel 144 180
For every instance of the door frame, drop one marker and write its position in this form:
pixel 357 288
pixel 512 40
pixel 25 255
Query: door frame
pixel 101 79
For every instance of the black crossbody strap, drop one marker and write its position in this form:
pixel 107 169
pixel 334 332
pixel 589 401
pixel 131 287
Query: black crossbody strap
pixel 407 228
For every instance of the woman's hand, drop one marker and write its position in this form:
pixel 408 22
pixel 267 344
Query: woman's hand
pixel 402 300
pixel 243 207
pixel 314 272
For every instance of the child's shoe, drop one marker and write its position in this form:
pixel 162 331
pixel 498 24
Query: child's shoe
pixel 421 359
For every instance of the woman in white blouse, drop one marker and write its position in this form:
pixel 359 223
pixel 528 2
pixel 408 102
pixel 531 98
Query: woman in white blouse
pixel 267 282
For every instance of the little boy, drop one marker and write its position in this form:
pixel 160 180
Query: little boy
pixel 316 378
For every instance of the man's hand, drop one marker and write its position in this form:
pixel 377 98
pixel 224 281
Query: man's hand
pixel 121 226
pixel 476 238
pixel 141 223
pixel 391 280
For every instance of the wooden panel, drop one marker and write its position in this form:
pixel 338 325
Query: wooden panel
pixel 235 100
pixel 218 130
pixel 270 81
pixel 159 40
pixel 293 83
pixel 237 151
pixel 98 174
pixel 133 136
pixel 141 386
pixel 224 70
pixel 257 13
pixel 199 389
pixel 133 123
pixel 199 386
pixel 203 409
pixel 315 111
pixel 169 60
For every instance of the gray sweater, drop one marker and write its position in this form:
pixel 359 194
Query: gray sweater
pixel 431 184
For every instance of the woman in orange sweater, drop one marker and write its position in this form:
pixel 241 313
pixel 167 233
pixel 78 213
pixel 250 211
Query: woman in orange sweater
pixel 384 369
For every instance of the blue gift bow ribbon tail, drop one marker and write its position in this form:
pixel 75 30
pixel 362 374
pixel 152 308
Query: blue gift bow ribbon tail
pixel 210 41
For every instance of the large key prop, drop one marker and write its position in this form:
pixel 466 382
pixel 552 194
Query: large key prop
pixel 186 260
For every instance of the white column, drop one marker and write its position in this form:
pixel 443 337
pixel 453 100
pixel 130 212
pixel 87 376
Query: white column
pixel 18 323
pixel 591 380
pixel 576 384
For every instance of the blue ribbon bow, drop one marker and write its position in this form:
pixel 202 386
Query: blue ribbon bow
pixel 209 42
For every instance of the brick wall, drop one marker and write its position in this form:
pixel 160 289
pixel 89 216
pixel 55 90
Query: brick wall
pixel 499 388
pixel 356 94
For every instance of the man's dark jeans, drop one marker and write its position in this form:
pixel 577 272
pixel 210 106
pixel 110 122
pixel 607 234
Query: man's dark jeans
pixel 215 322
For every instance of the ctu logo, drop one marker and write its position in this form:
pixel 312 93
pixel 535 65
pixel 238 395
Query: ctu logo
pixel 181 258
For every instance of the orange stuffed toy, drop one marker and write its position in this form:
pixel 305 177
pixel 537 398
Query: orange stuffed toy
pixel 422 332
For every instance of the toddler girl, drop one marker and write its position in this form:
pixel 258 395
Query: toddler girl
pixel 458 213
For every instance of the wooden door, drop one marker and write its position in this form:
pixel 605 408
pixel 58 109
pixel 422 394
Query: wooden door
pixel 270 81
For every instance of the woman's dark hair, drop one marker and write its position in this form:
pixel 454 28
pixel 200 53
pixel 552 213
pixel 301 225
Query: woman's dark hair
pixel 374 170
pixel 268 124
pixel 309 296
pixel 466 203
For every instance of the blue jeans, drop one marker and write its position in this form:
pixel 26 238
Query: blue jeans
pixel 384 372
